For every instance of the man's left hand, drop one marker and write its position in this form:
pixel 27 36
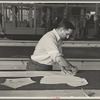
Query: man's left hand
pixel 74 69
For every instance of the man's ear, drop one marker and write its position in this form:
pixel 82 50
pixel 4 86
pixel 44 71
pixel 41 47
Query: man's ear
pixel 67 36
pixel 68 29
pixel 61 29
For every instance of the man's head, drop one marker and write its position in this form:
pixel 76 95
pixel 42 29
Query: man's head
pixel 65 29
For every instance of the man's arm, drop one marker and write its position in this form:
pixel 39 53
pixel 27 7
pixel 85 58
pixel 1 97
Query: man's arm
pixel 65 65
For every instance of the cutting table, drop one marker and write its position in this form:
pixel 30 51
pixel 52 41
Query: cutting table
pixel 50 90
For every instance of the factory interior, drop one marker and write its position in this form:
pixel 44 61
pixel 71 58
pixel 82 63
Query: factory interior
pixel 21 27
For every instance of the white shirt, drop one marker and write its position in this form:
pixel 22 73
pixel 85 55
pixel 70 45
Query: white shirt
pixel 48 48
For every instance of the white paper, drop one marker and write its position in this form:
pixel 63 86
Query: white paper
pixel 70 80
pixel 18 82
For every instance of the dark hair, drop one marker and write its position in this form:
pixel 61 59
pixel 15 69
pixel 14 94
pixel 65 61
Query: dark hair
pixel 57 21
pixel 66 24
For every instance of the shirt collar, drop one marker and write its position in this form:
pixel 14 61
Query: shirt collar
pixel 56 34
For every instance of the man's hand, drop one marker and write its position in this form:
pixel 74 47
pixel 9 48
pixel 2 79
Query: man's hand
pixel 66 70
pixel 66 67
pixel 72 71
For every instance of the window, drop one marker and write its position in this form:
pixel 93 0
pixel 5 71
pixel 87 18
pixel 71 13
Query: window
pixel 25 14
pixel 8 13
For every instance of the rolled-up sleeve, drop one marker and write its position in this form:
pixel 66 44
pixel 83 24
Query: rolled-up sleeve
pixel 52 49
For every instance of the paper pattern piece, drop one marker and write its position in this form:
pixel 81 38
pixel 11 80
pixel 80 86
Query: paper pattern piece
pixel 18 82
pixel 70 80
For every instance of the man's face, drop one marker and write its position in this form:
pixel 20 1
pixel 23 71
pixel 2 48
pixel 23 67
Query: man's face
pixel 66 33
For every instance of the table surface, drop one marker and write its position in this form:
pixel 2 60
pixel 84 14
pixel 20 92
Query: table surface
pixel 56 90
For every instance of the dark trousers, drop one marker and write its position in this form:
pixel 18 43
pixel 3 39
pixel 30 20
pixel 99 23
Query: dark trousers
pixel 35 66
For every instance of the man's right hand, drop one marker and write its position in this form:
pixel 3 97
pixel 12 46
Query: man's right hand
pixel 67 71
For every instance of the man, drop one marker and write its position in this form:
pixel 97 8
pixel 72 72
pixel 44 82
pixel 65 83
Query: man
pixel 49 51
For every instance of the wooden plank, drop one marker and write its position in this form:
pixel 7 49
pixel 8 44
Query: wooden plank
pixel 8 65
pixel 12 63
pixel 18 44
pixel 21 63
pixel 14 59
pixel 64 45
pixel 18 41
pixel 90 66
pixel 62 4
pixel 33 43
pixel 3 18
pixel 18 16
pixel 22 66
pixel 14 16
pixel 96 25
pixel 30 16
pixel 69 59
pixel 23 30
pixel 83 60
pixel 35 19
pixel 66 10
pixel 83 42
pixel 72 42
pixel 13 67
pixel 47 94
pixel 30 73
pixel 81 45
